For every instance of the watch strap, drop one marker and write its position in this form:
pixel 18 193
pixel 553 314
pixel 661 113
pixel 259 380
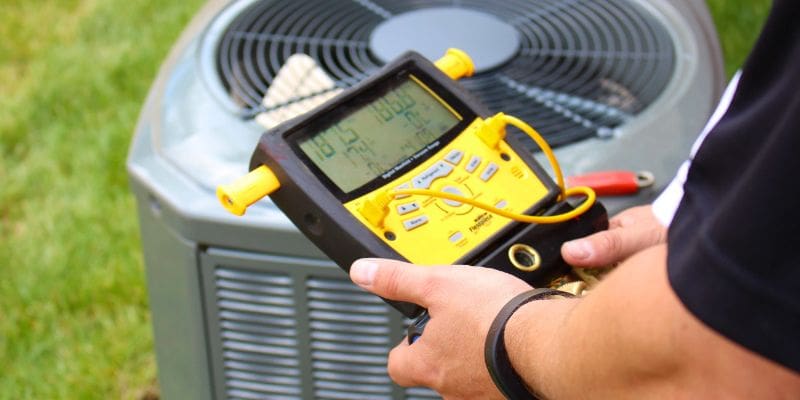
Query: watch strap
pixel 495 355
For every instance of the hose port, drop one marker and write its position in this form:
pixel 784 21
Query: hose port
pixel 524 257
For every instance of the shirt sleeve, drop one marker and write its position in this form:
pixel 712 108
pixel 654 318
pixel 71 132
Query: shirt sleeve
pixel 666 204
pixel 732 244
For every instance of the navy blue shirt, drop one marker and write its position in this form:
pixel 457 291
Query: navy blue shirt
pixel 734 243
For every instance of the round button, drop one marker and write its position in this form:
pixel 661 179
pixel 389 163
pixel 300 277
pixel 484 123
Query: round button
pixel 452 190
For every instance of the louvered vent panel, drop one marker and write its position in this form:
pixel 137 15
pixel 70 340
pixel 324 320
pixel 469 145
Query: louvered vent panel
pixel 349 341
pixel 258 334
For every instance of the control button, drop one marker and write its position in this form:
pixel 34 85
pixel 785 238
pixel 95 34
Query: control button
pixel 406 208
pixel 455 191
pixel 403 186
pixel 415 222
pixel 454 157
pixel 501 204
pixel 489 171
pixel 438 170
pixel 456 237
pixel 473 163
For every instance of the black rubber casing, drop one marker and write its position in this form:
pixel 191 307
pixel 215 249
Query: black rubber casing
pixel 314 204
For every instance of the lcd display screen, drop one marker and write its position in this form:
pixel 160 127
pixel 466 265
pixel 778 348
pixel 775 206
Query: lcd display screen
pixel 379 136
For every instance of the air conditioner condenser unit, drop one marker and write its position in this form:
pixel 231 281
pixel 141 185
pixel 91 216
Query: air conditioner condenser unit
pixel 247 308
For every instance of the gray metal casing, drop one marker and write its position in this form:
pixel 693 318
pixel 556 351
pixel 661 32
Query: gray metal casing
pixel 202 262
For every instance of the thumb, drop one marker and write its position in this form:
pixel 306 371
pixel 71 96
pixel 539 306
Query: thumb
pixel 391 279
pixel 608 247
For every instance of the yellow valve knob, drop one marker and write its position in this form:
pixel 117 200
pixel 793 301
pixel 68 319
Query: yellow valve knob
pixel 456 64
pixel 237 196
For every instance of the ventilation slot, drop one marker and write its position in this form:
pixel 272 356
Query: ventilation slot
pixel 421 394
pixel 258 333
pixel 349 341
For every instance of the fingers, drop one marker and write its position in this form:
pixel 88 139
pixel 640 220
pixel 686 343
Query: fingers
pixel 600 249
pixel 406 368
pixel 397 280
pixel 394 280
pixel 462 302
pixel 631 232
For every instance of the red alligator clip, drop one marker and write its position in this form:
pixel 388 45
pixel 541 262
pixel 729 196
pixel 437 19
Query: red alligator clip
pixel 613 183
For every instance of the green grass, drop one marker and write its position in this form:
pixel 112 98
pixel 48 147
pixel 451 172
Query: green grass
pixel 74 321
pixel 738 23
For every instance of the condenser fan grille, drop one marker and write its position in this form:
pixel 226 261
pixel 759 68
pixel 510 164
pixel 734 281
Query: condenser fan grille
pixel 582 67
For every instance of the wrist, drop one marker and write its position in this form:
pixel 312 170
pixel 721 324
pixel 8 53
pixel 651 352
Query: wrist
pixel 533 345
pixel 508 380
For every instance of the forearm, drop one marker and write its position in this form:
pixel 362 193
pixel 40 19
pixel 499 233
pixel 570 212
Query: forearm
pixel 632 338
pixel 611 342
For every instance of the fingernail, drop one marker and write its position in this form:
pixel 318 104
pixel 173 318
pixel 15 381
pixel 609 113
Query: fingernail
pixel 579 249
pixel 362 272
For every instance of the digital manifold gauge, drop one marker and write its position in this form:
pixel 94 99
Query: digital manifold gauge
pixel 408 165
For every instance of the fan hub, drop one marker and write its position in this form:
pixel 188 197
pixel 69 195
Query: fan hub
pixel 489 41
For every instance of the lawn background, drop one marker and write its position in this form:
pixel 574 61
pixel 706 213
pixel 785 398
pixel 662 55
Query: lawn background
pixel 74 322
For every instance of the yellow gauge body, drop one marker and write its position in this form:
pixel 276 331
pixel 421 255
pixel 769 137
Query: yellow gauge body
pixel 430 231
pixel 408 165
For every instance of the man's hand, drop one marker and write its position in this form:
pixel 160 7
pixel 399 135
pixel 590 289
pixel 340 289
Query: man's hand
pixel 630 338
pixel 629 232
pixel 462 302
